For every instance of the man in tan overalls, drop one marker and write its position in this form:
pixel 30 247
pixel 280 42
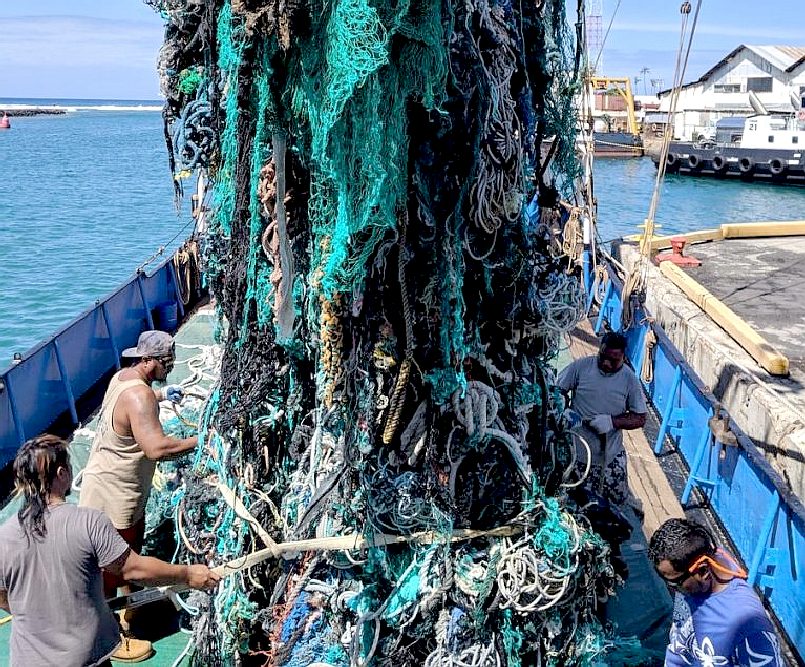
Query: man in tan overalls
pixel 127 445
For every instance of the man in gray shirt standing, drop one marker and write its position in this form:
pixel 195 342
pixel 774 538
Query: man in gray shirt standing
pixel 609 398
pixel 51 556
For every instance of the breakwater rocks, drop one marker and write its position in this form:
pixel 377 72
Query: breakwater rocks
pixel 34 111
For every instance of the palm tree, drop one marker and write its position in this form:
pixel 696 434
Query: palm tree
pixel 644 71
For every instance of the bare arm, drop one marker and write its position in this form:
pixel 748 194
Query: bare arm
pixel 4 601
pixel 142 409
pixel 148 571
pixel 629 421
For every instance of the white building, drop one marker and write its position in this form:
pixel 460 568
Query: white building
pixel 775 74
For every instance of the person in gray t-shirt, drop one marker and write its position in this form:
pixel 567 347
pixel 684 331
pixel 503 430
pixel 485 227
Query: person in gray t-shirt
pixel 51 556
pixel 609 398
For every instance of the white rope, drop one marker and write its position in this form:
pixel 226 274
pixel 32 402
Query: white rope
pixel 572 466
pixel 477 655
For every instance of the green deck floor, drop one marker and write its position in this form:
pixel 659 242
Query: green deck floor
pixel 197 331
pixel 641 593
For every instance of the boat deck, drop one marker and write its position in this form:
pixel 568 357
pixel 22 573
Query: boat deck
pixel 195 335
pixel 649 485
pixel 648 482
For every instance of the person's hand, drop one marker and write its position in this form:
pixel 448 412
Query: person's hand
pixel 174 393
pixel 201 577
pixel 602 424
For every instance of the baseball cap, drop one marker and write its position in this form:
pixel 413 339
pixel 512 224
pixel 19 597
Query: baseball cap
pixel 151 344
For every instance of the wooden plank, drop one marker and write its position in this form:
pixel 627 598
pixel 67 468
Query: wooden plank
pixel 647 481
pixel 662 242
pixel 583 341
pixel 745 230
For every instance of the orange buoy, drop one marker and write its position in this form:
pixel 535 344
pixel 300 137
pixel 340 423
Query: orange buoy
pixel 5 123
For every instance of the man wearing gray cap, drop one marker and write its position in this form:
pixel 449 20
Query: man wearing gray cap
pixel 127 445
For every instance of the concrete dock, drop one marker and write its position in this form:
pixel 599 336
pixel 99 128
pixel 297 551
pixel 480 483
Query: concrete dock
pixel 761 280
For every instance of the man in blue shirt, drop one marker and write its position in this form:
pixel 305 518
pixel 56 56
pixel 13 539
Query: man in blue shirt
pixel 718 619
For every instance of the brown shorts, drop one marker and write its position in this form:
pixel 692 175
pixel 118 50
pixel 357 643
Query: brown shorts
pixel 134 538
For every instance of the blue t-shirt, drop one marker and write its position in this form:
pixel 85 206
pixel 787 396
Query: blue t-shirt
pixel 726 628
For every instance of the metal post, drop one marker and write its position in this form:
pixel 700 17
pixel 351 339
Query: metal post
pixel 763 537
pixel 585 267
pixel 637 362
pixel 602 307
pixel 148 317
pixel 65 378
pixel 174 278
pixel 701 448
pixel 105 313
pixel 590 297
pixel 667 410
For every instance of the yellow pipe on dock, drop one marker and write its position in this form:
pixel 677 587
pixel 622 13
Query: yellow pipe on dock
pixel 761 350
pixel 747 230
pixel 729 230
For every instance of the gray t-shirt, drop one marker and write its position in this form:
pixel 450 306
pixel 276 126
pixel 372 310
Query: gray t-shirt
pixel 595 393
pixel 55 588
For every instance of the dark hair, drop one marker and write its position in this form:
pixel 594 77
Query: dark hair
pixel 35 468
pixel 614 341
pixel 681 542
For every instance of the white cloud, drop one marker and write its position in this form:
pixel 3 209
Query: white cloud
pixel 65 42
pixel 76 56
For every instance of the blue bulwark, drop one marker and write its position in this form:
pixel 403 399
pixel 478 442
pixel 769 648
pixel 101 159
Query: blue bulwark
pixel 52 377
pixel 763 518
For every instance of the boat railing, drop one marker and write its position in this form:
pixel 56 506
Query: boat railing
pixel 48 383
pixel 761 515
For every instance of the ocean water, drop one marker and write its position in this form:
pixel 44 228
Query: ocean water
pixel 86 197
pixel 624 187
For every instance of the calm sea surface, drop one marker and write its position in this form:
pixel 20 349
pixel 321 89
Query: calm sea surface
pixel 85 198
pixel 624 187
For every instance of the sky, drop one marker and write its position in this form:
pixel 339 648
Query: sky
pixel 646 34
pixel 108 49
pixel 104 49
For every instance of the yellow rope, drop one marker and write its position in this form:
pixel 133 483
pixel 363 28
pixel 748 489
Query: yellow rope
pixel 397 399
pixel 184 421
pixel 572 243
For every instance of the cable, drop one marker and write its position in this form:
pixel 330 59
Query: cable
pixel 606 34
pixel 636 284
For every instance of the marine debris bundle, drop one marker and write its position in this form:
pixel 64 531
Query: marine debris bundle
pixel 385 249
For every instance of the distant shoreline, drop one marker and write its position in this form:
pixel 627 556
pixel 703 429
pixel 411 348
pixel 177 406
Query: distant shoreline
pixel 59 107
pixel 33 111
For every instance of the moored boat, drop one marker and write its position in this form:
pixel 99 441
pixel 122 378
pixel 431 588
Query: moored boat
pixel 617 144
pixel 758 147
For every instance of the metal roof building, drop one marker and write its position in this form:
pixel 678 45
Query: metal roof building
pixel 748 77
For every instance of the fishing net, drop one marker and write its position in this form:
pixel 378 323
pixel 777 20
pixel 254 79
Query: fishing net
pixel 385 184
